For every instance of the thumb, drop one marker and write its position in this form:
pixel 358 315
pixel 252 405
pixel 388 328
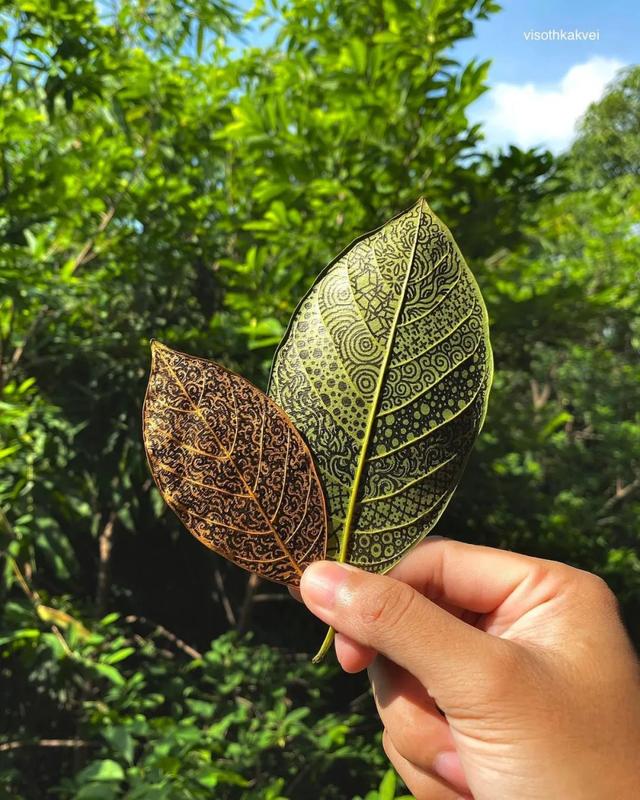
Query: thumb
pixel 445 654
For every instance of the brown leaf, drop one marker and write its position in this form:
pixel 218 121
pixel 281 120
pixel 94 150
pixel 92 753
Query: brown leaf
pixel 232 466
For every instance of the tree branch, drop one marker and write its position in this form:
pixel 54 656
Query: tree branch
pixel 621 492
pixel 162 631
pixel 244 616
pixel 104 568
pixel 4 746
pixel 224 599
pixel 32 594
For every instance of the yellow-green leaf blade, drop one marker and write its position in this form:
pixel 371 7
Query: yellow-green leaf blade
pixel 385 369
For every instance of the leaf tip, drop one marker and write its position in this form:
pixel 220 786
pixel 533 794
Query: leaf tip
pixel 157 347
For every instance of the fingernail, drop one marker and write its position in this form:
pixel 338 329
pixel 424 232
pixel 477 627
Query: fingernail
pixel 321 582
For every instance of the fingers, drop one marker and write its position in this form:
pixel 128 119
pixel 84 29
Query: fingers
pixel 448 766
pixel 353 657
pixel 467 580
pixel 408 714
pixel 423 785
pixel 384 614
pixel 467 576
pixel 419 732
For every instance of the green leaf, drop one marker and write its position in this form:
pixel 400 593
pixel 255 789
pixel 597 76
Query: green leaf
pixel 212 776
pixel 387 790
pixel 119 655
pixel 104 770
pixel 97 791
pixel 121 741
pixel 109 672
pixel 7 451
pixel 385 369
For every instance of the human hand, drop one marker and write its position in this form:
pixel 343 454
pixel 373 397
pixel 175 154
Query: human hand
pixel 527 659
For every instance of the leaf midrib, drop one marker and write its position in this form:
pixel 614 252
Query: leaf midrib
pixel 373 410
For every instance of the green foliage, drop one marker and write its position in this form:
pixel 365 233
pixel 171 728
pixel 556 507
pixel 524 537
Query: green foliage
pixel 243 719
pixel 608 146
pixel 557 471
pixel 386 790
pixel 158 178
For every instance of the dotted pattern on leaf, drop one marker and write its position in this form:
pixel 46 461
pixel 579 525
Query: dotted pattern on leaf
pixel 232 467
pixel 385 369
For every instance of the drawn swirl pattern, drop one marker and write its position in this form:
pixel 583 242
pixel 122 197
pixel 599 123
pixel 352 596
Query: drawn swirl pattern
pixel 386 369
pixel 232 467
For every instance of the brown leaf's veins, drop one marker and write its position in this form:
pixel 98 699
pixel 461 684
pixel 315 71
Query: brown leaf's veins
pixel 192 513
pixel 304 513
pixel 227 452
pixel 195 450
pixel 236 424
pixel 194 482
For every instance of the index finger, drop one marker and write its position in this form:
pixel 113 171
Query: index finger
pixel 469 576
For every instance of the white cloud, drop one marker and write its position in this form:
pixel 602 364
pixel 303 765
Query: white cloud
pixel 528 114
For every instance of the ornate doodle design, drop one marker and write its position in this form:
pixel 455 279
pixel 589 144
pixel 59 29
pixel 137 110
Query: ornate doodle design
pixel 232 467
pixel 386 369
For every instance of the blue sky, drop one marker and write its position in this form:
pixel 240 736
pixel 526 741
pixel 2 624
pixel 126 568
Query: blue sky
pixel 539 89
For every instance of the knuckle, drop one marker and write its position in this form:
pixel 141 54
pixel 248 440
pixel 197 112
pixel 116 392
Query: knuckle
pixel 505 673
pixel 388 607
pixel 599 590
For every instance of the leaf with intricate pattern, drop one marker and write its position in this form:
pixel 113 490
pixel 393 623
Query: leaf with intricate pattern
pixel 232 466
pixel 385 369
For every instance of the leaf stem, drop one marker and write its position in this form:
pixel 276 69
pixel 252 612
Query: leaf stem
pixel 324 647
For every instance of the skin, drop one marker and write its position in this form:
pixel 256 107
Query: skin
pixel 496 675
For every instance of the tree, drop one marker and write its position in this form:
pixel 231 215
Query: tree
pixel 608 147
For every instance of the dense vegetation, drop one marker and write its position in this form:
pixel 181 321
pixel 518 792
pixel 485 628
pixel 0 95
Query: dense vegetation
pixel 160 176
